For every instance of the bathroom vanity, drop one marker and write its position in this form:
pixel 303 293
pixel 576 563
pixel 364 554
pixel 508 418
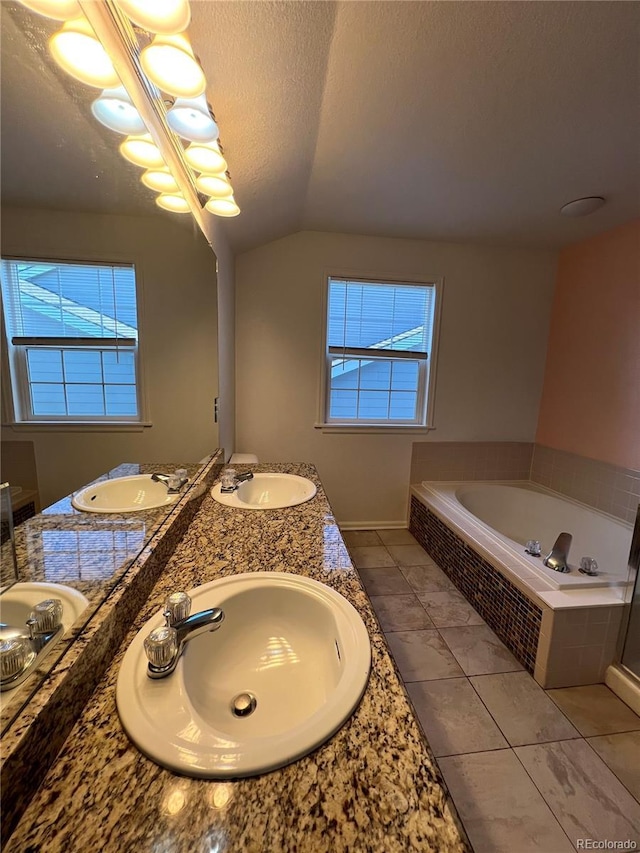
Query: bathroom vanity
pixel 373 786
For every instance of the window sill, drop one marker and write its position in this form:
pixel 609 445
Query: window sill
pixel 78 426
pixel 368 429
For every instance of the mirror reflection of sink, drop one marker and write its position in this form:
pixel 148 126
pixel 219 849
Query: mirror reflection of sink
pixel 16 605
pixel 284 671
pixel 124 494
pixel 267 491
pixel 17 602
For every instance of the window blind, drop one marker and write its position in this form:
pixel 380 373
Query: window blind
pixel 379 315
pixel 73 334
pixel 69 300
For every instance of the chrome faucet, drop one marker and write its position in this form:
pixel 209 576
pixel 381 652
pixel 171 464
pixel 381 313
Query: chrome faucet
pixel 557 558
pixel 174 482
pixel 230 481
pixel 165 645
pixel 22 650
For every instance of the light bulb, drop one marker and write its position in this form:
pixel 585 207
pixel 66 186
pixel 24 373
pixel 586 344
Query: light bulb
pixel 216 186
pixel 114 110
pixel 222 206
pixel 191 119
pixel 76 49
pixel 142 151
pixel 174 202
pixel 205 157
pixel 60 10
pixel 169 63
pixel 160 180
pixel 158 16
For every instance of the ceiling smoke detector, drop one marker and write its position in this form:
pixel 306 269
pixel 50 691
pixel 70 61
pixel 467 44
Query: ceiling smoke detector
pixel 583 206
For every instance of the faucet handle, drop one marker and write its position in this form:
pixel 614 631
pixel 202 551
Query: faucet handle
pixel 13 656
pixel 588 566
pixel 228 479
pixel 533 548
pixel 161 646
pixel 45 617
pixel 177 607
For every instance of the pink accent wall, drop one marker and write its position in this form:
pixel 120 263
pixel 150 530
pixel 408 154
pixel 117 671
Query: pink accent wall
pixel 591 394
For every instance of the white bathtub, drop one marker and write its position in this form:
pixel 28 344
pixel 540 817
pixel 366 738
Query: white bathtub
pixel 497 518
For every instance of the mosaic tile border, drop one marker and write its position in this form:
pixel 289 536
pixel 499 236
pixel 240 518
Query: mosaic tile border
pixel 513 617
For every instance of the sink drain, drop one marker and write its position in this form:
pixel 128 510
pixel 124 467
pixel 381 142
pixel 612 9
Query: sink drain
pixel 243 704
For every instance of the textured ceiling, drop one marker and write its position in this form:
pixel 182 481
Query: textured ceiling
pixel 435 120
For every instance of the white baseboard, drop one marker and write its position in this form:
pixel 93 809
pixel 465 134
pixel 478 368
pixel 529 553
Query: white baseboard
pixel 372 525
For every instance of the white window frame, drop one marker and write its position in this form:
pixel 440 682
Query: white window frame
pixel 16 395
pixel 427 368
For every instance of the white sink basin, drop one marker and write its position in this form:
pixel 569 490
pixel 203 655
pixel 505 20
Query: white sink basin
pixel 124 494
pixel 267 491
pixel 294 644
pixel 19 600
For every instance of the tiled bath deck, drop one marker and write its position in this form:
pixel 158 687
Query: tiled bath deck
pixel 529 770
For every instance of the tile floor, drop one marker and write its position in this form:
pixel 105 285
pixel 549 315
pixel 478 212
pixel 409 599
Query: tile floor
pixel 530 771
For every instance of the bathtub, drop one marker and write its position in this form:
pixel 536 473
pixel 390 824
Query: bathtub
pixel 563 628
pixel 497 519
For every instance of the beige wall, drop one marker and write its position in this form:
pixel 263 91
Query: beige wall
pixel 178 334
pixel 225 266
pixel 491 360
pixel 591 400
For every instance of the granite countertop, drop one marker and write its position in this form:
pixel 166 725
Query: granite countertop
pixel 373 787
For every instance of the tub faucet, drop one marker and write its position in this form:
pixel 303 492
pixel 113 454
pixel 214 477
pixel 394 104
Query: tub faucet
pixel 174 482
pixel 165 645
pixel 557 558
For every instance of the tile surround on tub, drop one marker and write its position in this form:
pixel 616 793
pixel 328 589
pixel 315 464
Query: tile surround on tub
pixel 470 460
pixel 606 487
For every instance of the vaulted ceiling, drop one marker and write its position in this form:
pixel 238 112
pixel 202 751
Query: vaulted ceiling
pixel 433 120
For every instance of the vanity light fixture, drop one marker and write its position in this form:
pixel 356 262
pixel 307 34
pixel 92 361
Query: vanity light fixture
pixel 160 180
pixel 59 10
pixel 158 16
pixel 77 50
pixel 191 119
pixel 98 36
pixel 142 151
pixel 222 206
pixel 174 202
pixel 114 109
pixel 169 62
pixel 206 157
pixel 216 186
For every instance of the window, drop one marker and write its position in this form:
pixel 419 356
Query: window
pixel 72 336
pixel 379 352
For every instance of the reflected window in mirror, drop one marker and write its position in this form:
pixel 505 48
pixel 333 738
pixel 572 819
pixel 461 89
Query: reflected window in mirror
pixel 72 337
pixel 68 556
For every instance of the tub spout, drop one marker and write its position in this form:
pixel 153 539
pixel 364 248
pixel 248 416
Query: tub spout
pixel 557 558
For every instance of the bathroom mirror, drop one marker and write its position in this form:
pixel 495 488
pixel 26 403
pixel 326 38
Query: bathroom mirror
pixel 86 552
pixel 65 193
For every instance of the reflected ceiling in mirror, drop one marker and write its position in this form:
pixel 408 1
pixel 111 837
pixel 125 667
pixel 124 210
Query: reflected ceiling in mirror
pixel 55 155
